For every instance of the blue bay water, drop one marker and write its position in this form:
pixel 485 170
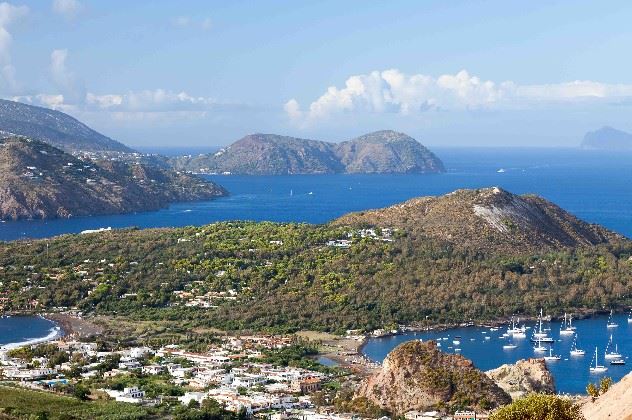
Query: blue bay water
pixel 571 374
pixel 596 186
pixel 26 329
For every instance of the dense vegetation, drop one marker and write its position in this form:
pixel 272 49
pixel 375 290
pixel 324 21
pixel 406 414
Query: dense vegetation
pixel 539 407
pixel 284 277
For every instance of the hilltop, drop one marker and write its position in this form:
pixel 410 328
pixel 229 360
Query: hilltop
pixel 607 138
pixel 331 277
pixel 271 154
pixel 487 219
pixel 418 376
pixel 39 181
pixel 53 127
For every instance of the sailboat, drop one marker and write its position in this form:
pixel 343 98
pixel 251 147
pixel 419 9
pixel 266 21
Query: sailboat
pixel 509 346
pixel 552 357
pixel 539 333
pixel 566 328
pixel 539 348
pixel 611 323
pixel 612 354
pixel 576 351
pixel 597 368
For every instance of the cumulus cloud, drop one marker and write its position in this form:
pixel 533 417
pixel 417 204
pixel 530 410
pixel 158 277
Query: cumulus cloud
pixel 394 91
pixel 9 14
pixel 67 8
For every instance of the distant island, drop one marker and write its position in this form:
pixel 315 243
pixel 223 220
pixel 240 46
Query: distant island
pixel 607 138
pixel 270 154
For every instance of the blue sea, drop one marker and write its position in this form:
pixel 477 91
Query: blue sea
pixel 571 373
pixel 595 186
pixel 22 330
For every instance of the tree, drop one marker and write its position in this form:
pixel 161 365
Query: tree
pixel 592 390
pixel 81 392
pixel 604 385
pixel 539 407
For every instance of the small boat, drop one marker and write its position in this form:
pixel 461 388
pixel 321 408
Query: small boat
pixel 611 323
pixel 597 368
pixel 509 346
pixel 567 328
pixel 617 362
pixel 487 337
pixel 456 349
pixel 539 348
pixel 576 351
pixel 552 357
pixel 630 318
pixel 612 354
pixel 456 342
pixel 501 171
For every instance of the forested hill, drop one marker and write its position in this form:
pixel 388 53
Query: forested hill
pixel 39 181
pixel 488 219
pixel 270 154
pixel 55 128
pixel 285 277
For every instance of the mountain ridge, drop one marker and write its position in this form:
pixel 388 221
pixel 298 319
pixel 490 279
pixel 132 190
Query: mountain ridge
pixel 55 128
pixel 270 154
pixel 39 181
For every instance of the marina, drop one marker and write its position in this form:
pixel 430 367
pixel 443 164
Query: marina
pixel 571 358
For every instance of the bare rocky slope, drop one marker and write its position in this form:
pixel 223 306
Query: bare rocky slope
pixel 614 404
pixel 270 154
pixel 487 219
pixel 523 377
pixel 418 376
pixel 39 181
pixel 55 128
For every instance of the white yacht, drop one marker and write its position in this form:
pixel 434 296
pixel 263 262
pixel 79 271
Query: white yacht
pixel 611 323
pixel 539 348
pixel 552 357
pixel 612 354
pixel 567 326
pixel 597 368
pixel 576 351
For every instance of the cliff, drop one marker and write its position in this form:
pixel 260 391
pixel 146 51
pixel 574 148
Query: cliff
pixel 418 376
pixel 523 377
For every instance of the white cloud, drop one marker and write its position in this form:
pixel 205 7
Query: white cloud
pixel 9 14
pixel 189 22
pixel 67 8
pixel 394 91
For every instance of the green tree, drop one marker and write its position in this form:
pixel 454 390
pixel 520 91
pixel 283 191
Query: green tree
pixel 539 407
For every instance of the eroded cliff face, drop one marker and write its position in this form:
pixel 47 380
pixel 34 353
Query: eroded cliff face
pixel 523 377
pixel 418 376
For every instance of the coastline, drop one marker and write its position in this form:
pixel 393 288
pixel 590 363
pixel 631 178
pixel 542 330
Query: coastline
pixel 54 333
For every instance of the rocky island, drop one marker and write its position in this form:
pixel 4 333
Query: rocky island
pixel 270 154
pixel 607 138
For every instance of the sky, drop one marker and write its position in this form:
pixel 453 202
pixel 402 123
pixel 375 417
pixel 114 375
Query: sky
pixel 206 73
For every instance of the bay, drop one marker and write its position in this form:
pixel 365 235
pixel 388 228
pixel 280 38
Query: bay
pixel 22 330
pixel 595 186
pixel 571 373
